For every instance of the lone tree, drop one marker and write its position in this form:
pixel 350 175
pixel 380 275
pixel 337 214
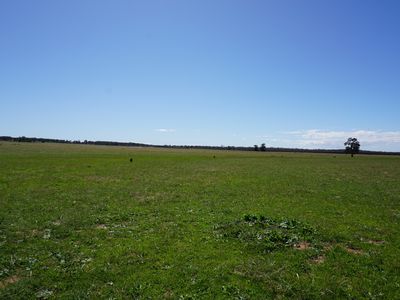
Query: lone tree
pixel 263 147
pixel 352 146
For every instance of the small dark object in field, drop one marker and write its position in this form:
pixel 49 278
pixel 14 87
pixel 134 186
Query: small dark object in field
pixel 214 156
pixel 334 156
pixel 89 166
pixel 131 160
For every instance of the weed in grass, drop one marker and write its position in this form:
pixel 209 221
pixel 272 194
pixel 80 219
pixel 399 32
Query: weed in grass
pixel 44 294
pixel 269 234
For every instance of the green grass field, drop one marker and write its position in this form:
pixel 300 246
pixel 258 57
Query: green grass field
pixel 79 221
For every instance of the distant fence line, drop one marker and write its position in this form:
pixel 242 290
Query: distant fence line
pixel 233 148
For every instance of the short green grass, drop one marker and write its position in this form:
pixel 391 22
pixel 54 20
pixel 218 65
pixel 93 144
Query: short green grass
pixel 79 221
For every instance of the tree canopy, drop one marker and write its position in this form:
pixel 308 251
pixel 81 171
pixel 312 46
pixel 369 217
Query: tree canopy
pixel 352 146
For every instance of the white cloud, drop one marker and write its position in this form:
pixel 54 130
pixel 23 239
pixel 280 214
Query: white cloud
pixel 326 138
pixel 165 130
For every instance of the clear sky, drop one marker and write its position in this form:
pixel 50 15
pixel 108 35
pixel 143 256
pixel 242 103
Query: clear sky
pixel 211 72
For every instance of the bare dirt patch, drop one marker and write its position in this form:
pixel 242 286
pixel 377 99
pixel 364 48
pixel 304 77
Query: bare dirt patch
pixel 302 246
pixel 354 250
pixel 9 280
pixel 322 257
pixel 318 260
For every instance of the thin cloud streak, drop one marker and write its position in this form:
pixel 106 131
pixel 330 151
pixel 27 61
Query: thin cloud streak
pixel 165 130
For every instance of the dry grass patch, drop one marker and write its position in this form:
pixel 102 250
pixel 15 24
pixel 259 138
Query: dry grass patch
pixel 376 242
pixel 353 250
pixel 9 280
pixel 319 259
pixel 302 246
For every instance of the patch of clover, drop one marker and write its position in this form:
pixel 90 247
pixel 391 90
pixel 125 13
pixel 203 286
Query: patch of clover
pixel 268 233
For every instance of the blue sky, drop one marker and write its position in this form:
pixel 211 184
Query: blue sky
pixel 215 72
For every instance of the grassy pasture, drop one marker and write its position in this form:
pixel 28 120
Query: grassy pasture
pixel 79 221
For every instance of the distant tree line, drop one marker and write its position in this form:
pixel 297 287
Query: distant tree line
pixel 261 148
pixel 46 140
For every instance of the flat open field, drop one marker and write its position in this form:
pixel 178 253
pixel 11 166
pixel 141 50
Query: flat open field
pixel 79 221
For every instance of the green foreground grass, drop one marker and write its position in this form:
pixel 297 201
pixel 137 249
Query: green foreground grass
pixel 80 221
